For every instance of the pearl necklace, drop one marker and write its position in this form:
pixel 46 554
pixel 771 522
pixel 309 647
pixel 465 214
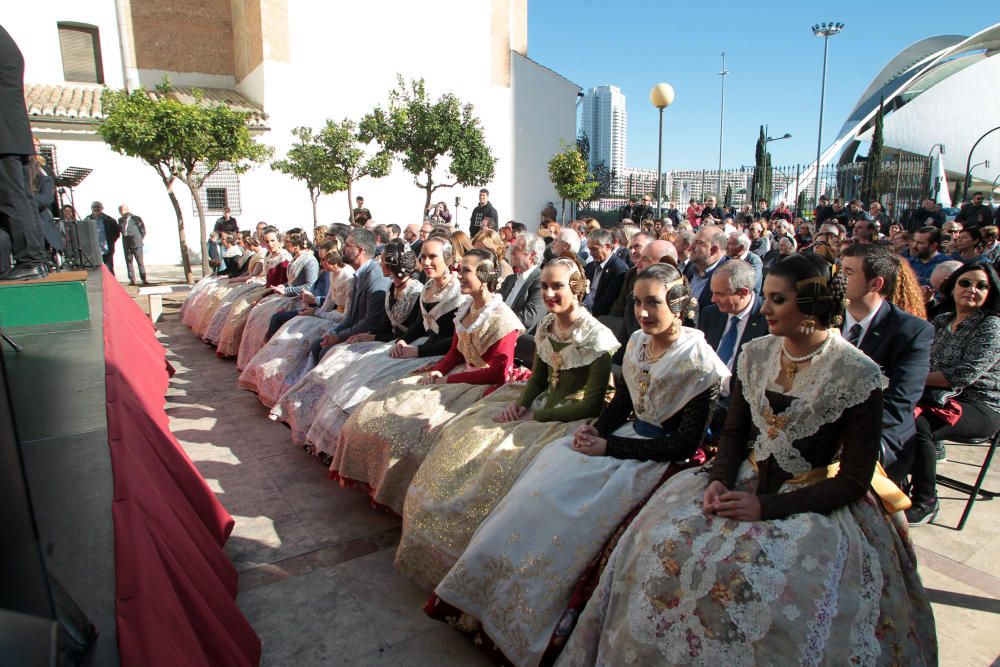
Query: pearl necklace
pixel 793 368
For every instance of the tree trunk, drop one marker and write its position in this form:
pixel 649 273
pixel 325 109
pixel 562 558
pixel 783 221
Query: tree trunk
pixel 350 201
pixel 562 213
pixel 429 188
pixel 314 196
pixel 202 227
pixel 168 183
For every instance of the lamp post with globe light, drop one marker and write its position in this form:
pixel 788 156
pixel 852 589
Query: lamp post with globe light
pixel 826 31
pixel 662 96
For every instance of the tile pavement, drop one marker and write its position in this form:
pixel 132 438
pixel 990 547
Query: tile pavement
pixel 315 560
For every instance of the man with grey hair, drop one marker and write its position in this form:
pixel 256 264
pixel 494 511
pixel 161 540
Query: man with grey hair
pixel 522 290
pixel 759 244
pixel 738 247
pixel 932 293
pixel 706 254
pixel 411 234
pixel 732 319
pixel 567 241
pixel 367 311
pixel 682 244
pixel 606 273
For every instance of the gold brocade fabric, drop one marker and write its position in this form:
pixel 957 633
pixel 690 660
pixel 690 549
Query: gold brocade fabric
pixel 232 332
pixel 471 467
pixel 475 340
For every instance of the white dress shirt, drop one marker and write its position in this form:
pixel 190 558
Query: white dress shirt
pixel 865 323
pixel 519 281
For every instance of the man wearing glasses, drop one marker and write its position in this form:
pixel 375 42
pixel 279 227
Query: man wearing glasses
pixel 976 213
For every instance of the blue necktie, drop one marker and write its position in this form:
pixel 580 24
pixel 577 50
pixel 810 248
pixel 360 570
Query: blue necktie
pixel 728 344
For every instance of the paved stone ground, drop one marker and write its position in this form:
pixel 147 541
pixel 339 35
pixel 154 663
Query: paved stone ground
pixel 315 560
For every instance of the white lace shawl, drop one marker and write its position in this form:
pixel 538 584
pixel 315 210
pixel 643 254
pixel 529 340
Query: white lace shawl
pixel 589 340
pixel 686 369
pixel 271 261
pixel 838 378
pixel 493 322
pixel 404 303
pixel 449 298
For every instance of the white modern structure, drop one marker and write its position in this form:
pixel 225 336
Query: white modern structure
pixel 605 122
pixel 941 89
pixel 290 63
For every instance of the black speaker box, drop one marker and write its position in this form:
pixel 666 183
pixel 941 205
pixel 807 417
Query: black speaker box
pixel 82 247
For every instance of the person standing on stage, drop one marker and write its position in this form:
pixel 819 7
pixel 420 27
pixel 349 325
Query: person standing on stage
pixel 133 231
pixel 18 216
pixel 107 233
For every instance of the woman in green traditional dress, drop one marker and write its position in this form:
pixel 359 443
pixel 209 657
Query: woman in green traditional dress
pixel 480 452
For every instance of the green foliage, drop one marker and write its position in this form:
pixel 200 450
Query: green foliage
pixel 604 178
pixel 420 132
pixel 762 169
pixel 185 142
pixel 873 185
pixel 583 145
pixel 331 160
pixel 727 201
pixel 569 175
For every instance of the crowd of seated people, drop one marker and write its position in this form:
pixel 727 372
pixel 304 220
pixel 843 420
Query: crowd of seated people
pixel 671 440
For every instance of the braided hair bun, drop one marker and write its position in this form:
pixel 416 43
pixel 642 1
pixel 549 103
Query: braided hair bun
pixel 678 293
pixel 821 289
pixel 488 268
pixel 398 258
pixel 577 276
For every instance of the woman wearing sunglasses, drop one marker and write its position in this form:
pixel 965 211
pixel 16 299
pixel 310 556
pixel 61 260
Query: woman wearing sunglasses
pixel 965 367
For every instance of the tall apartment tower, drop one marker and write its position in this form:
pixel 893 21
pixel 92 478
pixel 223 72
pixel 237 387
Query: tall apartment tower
pixel 605 123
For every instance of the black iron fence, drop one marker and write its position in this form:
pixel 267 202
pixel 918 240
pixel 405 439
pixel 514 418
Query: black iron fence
pixel 898 184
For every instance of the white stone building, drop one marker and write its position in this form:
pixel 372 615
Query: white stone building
pixel 291 63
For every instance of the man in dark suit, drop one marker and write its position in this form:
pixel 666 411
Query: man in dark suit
pixel 367 311
pixel 606 273
pixel 897 341
pixel 107 232
pixel 738 247
pixel 706 254
pixel 133 231
pixel 732 319
pixel 18 214
pixel 522 290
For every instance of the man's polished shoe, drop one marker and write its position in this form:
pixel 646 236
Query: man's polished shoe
pixel 25 273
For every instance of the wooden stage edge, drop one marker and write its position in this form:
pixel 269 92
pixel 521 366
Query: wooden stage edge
pixel 54 277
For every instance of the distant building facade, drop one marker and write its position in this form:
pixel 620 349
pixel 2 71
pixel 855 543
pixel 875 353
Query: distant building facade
pixel 605 122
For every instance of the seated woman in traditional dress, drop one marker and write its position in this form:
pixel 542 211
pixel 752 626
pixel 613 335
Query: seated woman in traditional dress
pixel 424 342
pixel 518 573
pixel 251 276
pixel 204 304
pixel 299 405
pixel 482 451
pixel 782 553
pixel 387 436
pixel 302 274
pixel 275 273
pixel 286 358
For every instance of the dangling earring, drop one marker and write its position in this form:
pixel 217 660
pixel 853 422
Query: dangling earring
pixel 675 328
pixel 808 325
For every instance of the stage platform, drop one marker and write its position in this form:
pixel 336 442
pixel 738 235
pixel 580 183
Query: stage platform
pixel 57 394
pixel 88 397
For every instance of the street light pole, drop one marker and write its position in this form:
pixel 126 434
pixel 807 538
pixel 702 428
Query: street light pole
pixel 662 96
pixel 968 162
pixel 824 30
pixel 722 120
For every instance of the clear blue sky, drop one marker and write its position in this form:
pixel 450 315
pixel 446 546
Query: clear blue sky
pixel 774 64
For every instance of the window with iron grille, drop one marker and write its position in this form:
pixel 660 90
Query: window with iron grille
pixel 48 151
pixel 220 190
pixel 80 46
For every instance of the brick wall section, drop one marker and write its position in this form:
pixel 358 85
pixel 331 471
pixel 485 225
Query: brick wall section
pixel 183 35
pixel 500 43
pixel 519 26
pixel 260 32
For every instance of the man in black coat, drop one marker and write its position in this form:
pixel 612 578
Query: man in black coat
pixel 133 231
pixel 706 254
pixel 975 213
pixel 606 273
pixel 107 228
pixel 18 214
pixel 897 341
pixel 483 210
pixel 226 224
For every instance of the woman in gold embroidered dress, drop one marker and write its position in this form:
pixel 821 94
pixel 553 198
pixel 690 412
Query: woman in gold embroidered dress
pixel 782 553
pixel 387 436
pixel 480 453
